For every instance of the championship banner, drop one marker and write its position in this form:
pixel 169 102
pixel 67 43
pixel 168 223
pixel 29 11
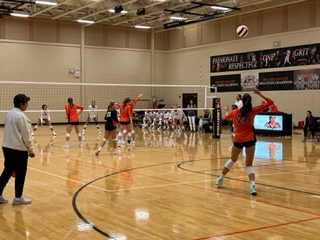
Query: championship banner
pixel 276 81
pixel 307 79
pixel 217 117
pixel 271 58
pixel 226 83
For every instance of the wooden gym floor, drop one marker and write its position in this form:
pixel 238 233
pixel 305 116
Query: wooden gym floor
pixel 164 189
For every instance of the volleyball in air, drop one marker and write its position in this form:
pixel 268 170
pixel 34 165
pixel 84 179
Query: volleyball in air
pixel 242 31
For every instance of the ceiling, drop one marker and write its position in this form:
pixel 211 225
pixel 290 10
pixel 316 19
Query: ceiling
pixel 154 13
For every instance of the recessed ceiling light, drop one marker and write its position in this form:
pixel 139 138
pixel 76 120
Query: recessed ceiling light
pixel 84 21
pixel 221 8
pixel 19 14
pixel 46 3
pixel 177 18
pixel 142 27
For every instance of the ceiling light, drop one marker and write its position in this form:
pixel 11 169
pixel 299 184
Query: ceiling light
pixel 142 27
pixel 46 3
pixel 84 21
pixel 19 14
pixel 178 18
pixel 221 8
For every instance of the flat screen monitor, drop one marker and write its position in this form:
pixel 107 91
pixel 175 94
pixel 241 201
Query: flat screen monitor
pixel 268 122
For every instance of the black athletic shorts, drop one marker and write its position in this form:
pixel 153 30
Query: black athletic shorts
pixel 73 123
pixel 244 144
pixel 125 123
pixel 109 128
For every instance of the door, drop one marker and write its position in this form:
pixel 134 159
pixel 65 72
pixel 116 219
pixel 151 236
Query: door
pixel 186 97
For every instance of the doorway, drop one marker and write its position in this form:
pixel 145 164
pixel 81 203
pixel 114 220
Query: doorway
pixel 186 97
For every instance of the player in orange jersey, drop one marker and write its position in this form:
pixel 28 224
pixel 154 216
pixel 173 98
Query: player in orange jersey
pixel 132 104
pixel 125 121
pixel 244 136
pixel 273 108
pixel 73 121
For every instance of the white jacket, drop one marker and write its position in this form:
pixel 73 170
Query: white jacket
pixel 17 131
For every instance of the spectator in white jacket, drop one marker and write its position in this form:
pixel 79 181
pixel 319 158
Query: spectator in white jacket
pixel 17 147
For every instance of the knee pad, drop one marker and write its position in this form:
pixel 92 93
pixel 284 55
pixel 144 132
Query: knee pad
pixel 67 134
pixel 114 139
pixel 104 140
pixel 79 134
pixel 182 127
pixel 249 170
pixel 124 131
pixel 229 164
pixel 132 131
pixel 35 127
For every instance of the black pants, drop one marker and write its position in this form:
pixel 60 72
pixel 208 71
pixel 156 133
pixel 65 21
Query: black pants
pixel 14 161
pixel 305 130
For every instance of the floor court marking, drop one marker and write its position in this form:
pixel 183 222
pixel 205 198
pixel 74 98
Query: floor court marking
pixel 258 228
pixel 174 183
pixel 185 183
pixel 181 183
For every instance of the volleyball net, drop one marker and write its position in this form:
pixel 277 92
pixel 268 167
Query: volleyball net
pixel 55 95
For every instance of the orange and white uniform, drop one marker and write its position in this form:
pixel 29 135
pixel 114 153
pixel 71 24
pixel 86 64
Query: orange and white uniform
pixel 244 130
pixel 72 113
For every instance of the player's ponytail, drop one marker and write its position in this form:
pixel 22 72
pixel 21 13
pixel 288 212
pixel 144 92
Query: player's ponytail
pixel 125 102
pixel 70 101
pixel 247 104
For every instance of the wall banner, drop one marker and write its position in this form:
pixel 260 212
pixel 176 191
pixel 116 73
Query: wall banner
pixel 276 81
pixel 226 83
pixel 272 58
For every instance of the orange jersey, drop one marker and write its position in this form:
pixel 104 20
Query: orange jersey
pixel 273 108
pixel 244 131
pixel 71 113
pixel 133 103
pixel 125 113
